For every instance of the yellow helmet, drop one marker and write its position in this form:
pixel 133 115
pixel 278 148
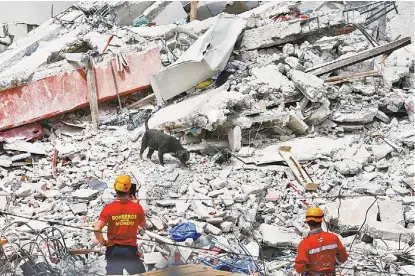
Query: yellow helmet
pixel 122 183
pixel 314 214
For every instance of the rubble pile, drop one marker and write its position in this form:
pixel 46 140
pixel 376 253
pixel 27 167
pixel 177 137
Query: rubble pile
pixel 257 110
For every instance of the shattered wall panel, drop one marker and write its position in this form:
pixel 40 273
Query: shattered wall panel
pixel 62 93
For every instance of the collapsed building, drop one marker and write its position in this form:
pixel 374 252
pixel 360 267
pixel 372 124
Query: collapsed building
pixel 282 108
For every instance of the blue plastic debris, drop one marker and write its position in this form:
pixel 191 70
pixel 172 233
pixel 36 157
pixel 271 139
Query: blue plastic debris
pixel 140 21
pixel 184 231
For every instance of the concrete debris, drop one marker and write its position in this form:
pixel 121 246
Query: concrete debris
pixel 232 88
pixel 311 86
pixel 277 237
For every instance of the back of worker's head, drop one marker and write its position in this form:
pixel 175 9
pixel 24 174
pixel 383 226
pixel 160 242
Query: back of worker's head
pixel 122 185
pixel 314 217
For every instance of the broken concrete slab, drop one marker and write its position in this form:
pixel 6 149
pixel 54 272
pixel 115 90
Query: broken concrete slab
pixel 278 237
pixel 311 86
pixel 388 231
pixel 35 148
pixel 171 13
pixel 304 149
pixel 79 208
pixel 350 216
pixel 207 56
pixel 206 110
pixel 380 151
pixel 14 111
pixel 361 115
pixel 28 44
pixel 85 193
pixel 270 35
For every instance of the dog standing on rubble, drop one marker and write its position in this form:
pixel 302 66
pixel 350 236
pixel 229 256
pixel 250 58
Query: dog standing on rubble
pixel 162 143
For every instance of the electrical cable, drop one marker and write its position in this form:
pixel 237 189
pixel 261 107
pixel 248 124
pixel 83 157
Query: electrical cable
pixel 361 226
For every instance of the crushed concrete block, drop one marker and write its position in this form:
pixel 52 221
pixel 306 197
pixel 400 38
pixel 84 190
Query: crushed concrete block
pixel 348 167
pixel 364 115
pixel 226 226
pixel 270 35
pixel 383 117
pixel 382 164
pixel 153 258
pixel 410 170
pixel 288 49
pixel 5 161
pixel 215 220
pixel 391 211
pixel 294 63
pixel 85 193
pixel 297 125
pixel 387 231
pixel 310 85
pixel 217 183
pixel 275 236
pixel 211 229
pixel 235 138
pixel 157 223
pixel 271 75
pixel 380 151
pixel 79 208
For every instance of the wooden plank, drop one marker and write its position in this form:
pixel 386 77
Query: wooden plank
pixel 302 176
pixel 146 100
pixel 337 78
pixel 193 10
pixel 92 94
pixel 359 57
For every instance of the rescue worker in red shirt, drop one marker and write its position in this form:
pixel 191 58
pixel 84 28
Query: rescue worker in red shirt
pixel 318 254
pixel 124 217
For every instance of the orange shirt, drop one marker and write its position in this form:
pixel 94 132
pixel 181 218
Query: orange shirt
pixel 319 252
pixel 123 218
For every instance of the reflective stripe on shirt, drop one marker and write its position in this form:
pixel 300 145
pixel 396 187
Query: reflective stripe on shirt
pixel 323 248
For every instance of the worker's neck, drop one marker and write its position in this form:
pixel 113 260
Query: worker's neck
pixel 118 197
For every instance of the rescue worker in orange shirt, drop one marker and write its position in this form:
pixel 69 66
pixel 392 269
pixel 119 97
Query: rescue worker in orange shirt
pixel 124 218
pixel 318 254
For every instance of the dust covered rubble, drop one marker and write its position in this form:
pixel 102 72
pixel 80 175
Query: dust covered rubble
pixel 243 193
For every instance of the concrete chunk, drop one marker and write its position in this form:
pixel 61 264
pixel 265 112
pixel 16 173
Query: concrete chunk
pixel 380 151
pixel 85 193
pixel 79 208
pixel 153 258
pixel 294 63
pixel 277 237
pixel 235 138
pixel 211 229
pixel 363 115
pixel 311 86
pixel 270 75
pixel 270 35
pixel 388 231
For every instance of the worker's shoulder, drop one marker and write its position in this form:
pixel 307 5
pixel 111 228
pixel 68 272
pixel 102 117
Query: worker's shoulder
pixel 330 235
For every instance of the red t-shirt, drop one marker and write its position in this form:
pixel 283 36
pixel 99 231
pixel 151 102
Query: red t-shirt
pixel 123 218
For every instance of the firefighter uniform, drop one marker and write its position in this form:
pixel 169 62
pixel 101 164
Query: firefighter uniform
pixel 320 252
pixel 123 218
